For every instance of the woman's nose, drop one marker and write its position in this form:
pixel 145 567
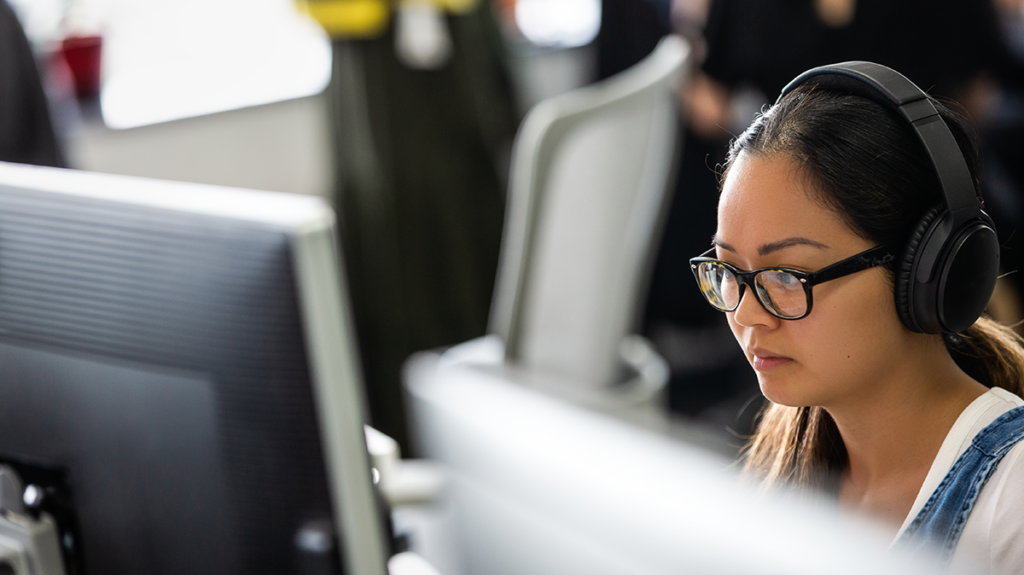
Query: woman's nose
pixel 750 311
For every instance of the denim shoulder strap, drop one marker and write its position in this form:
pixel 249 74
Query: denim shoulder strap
pixel 941 520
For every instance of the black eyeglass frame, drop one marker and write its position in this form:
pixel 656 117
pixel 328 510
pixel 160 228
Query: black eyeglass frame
pixel 868 259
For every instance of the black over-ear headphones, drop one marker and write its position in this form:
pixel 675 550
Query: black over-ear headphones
pixel 949 266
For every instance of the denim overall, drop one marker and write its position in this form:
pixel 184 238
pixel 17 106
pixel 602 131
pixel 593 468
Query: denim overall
pixel 939 524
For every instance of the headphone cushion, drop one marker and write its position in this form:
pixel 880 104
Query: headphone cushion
pixel 904 307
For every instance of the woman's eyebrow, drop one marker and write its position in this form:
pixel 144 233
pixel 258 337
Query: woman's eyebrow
pixel 773 246
pixel 715 242
pixel 788 242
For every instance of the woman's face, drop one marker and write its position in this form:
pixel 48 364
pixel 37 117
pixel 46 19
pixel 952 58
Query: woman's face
pixel 852 338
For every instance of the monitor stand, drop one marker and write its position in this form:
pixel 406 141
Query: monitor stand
pixel 28 545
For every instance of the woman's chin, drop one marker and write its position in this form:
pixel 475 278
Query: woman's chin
pixel 781 390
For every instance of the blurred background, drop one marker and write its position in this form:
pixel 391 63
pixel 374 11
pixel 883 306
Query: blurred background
pixel 404 114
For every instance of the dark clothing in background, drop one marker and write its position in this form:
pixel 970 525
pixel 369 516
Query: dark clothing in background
pixel 26 130
pixel 630 30
pixel 420 199
pixel 941 45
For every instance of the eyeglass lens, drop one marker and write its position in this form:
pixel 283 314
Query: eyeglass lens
pixel 718 285
pixel 780 292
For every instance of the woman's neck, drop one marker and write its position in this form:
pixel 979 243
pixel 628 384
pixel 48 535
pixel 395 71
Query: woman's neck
pixel 893 433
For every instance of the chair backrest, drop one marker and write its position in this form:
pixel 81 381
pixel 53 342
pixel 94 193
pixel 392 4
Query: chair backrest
pixel 590 172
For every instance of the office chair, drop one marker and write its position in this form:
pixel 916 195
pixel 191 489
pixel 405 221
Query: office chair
pixel 589 175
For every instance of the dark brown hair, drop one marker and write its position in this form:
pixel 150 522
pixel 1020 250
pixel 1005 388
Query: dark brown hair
pixel 870 169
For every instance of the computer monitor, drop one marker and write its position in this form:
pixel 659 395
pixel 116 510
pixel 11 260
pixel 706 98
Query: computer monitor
pixel 178 377
pixel 541 484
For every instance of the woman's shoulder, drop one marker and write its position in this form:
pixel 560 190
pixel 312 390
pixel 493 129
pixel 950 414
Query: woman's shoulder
pixel 994 531
pixel 1006 527
pixel 985 410
pixel 1006 397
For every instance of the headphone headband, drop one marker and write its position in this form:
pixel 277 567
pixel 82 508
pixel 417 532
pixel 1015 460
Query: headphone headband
pixel 949 265
pixel 893 90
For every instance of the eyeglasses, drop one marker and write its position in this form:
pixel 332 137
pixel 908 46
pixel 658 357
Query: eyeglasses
pixel 785 293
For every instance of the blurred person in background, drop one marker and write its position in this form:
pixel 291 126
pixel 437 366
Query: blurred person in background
pixel 422 111
pixel 26 128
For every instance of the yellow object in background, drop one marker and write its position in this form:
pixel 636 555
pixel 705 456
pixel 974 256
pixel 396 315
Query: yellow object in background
pixel 367 18
pixel 349 18
pixel 452 6
pixel 456 6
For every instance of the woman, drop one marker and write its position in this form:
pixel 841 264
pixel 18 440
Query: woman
pixel 862 405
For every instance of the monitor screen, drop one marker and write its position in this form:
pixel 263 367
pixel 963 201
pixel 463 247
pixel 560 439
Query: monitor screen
pixel 178 377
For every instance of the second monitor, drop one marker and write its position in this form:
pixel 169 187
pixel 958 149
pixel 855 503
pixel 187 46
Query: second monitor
pixel 178 377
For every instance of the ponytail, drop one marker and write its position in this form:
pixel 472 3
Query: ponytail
pixel 990 353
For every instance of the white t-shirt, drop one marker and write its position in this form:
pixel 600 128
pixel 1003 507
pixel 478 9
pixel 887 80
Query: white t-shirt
pixel 993 537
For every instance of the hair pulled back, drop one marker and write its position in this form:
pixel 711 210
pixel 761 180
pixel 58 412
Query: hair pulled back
pixel 870 169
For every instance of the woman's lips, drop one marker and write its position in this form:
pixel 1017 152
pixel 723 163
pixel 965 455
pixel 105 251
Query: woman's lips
pixel 766 361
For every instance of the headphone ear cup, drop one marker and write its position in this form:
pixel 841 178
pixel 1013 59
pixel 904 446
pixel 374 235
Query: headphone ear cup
pixel 904 306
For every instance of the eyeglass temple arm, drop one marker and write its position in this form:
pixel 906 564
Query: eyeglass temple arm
pixel 874 257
